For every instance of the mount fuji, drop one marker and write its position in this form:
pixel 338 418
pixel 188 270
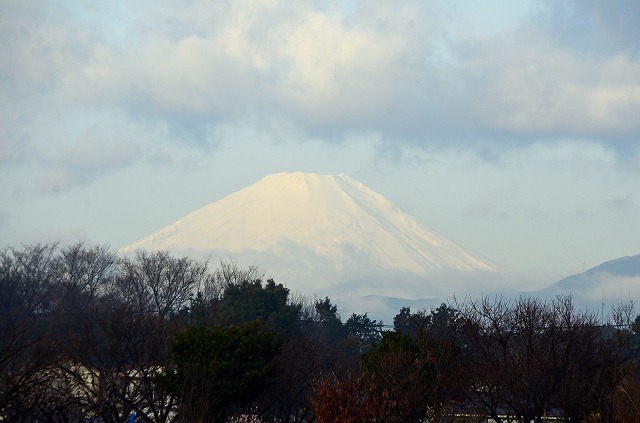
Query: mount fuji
pixel 327 234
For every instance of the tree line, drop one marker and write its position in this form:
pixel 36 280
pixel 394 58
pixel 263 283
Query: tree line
pixel 86 335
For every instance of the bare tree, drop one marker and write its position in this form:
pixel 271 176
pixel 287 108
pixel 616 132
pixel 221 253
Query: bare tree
pixel 114 356
pixel 118 344
pixel 528 358
pixel 160 283
pixel 80 274
pixel 228 273
pixel 26 278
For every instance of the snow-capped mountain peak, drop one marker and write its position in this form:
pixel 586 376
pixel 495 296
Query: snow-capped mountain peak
pixel 326 222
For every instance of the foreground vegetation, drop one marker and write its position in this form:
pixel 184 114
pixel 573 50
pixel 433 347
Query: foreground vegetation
pixel 86 335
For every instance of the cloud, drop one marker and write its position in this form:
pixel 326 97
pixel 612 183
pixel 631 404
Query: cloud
pixel 11 149
pixel 541 90
pixel 96 147
pixel 594 27
pixel 330 71
pixel 169 81
pixel 319 68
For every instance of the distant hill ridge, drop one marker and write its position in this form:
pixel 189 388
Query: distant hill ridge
pixel 627 267
pixel 623 266
pixel 603 286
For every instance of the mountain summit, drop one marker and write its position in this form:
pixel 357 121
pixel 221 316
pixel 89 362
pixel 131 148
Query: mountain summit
pixel 327 227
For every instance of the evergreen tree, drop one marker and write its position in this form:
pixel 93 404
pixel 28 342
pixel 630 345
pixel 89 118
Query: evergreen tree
pixel 218 369
pixel 250 300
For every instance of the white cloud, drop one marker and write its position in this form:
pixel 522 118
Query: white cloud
pixel 528 85
pixel 315 66
pixel 329 70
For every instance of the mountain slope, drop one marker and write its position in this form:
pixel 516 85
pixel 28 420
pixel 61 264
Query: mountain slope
pixel 331 225
pixel 622 267
pixel 611 282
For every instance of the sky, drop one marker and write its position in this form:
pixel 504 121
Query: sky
pixel 511 127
